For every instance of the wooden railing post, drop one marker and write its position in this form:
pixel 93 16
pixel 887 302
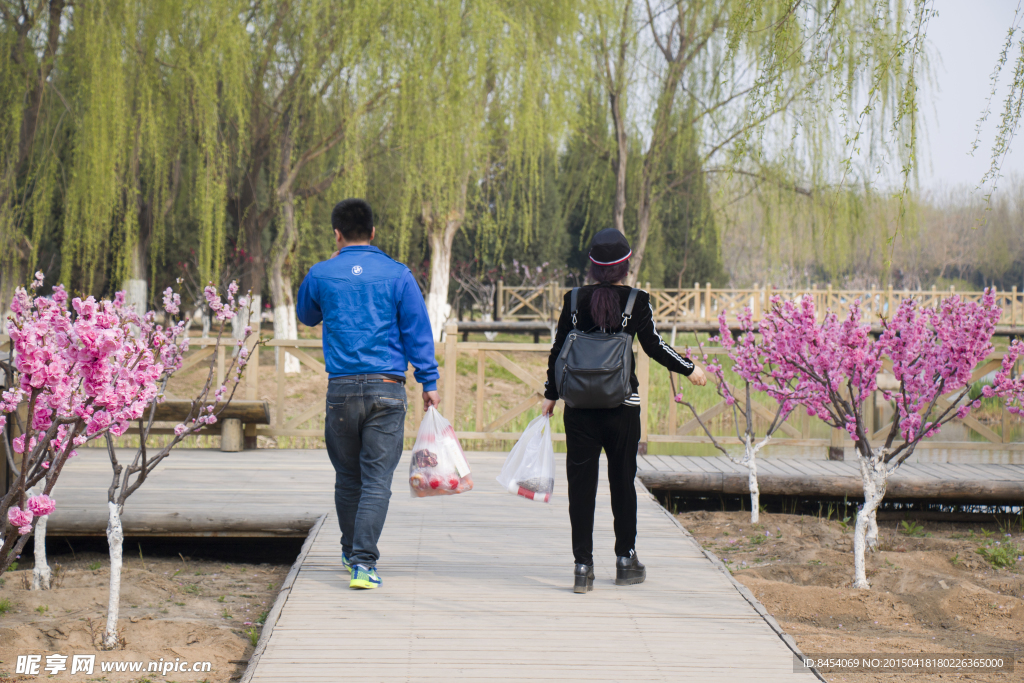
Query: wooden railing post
pixel 451 374
pixel 279 414
pixel 889 310
pixel 1013 307
pixel 252 388
pixel 696 301
pixel 499 299
pixel 481 376
pixel 707 303
pixel 756 300
pixel 220 365
pixel 835 449
pixel 643 376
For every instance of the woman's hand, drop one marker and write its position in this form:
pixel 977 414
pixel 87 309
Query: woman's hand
pixel 547 408
pixel 697 377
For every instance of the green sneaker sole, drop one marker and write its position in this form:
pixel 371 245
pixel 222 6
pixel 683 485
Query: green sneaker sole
pixel 362 583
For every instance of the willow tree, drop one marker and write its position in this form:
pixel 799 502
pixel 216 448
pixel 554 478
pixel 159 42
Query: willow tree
pixel 316 68
pixel 122 110
pixel 781 91
pixel 30 46
pixel 474 100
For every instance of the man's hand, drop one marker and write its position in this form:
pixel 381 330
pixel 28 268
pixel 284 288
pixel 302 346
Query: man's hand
pixel 548 407
pixel 430 398
pixel 697 377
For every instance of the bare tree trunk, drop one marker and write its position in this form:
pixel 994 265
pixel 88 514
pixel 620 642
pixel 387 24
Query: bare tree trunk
pixel 285 324
pixel 438 308
pixel 136 287
pixel 865 535
pixel 41 570
pixel 750 460
pixel 115 539
pixel 621 157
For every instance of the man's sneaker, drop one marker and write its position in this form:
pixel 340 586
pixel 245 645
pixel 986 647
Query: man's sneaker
pixel 364 577
pixel 346 563
pixel 629 571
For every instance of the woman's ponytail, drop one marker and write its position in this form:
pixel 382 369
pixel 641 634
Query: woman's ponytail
pixel 605 307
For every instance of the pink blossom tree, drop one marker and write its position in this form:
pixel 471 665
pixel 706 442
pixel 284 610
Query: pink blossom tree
pixel 170 343
pixel 87 371
pixel 832 367
pixel 60 358
pixel 750 360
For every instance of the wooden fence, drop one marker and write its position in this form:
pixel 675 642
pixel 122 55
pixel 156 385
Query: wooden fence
pixel 703 304
pixel 677 427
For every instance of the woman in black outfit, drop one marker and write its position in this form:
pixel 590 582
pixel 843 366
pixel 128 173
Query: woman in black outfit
pixel 616 430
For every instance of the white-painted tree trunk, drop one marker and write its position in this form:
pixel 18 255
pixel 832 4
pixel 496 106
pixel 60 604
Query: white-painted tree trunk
pixel 750 462
pixel 41 570
pixel 491 336
pixel 136 293
pixel 115 539
pixel 873 474
pixel 438 308
pixel 286 327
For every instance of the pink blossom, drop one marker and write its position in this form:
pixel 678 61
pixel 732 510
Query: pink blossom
pixel 23 530
pixel 41 505
pixel 18 517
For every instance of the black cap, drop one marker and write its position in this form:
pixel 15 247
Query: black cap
pixel 609 247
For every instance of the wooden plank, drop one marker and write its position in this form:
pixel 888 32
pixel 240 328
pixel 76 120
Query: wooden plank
pixel 520 374
pixel 304 357
pixel 314 409
pixel 481 381
pixel 510 618
pixel 515 412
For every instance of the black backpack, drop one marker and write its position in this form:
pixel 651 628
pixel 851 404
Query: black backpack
pixel 593 369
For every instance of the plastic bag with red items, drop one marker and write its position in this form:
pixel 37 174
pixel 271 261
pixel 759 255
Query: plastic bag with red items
pixel 529 470
pixel 438 466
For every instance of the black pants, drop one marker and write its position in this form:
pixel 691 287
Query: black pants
pixel 617 430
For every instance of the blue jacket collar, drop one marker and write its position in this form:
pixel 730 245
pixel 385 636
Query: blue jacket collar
pixel 360 247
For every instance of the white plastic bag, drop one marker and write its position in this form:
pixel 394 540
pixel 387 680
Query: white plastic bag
pixel 529 470
pixel 438 466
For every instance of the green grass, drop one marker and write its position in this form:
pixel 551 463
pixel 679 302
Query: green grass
pixel 253 634
pixel 5 606
pixel 1000 555
pixel 93 566
pixel 911 528
pixel 192 588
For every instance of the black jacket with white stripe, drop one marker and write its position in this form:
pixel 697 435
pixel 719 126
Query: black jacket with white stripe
pixel 640 326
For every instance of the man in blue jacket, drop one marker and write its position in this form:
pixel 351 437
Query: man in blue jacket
pixel 375 324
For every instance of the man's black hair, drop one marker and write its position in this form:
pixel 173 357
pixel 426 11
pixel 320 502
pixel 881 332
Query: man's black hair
pixel 353 218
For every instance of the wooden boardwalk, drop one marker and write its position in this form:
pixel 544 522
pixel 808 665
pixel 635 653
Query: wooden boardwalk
pixel 935 482
pixel 478 587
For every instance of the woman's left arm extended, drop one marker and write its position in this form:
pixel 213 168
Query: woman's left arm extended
pixel 656 347
pixel 564 326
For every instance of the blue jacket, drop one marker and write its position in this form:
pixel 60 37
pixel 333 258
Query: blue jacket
pixel 375 320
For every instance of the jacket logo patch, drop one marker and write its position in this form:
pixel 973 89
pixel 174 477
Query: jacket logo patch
pixel 357 270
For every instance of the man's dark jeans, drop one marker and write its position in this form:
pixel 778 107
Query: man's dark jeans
pixel 364 431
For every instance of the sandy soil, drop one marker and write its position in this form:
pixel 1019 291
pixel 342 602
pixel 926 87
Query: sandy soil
pixel 194 610
pixel 931 591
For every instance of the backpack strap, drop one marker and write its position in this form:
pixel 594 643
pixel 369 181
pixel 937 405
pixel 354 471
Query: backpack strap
pixel 628 313
pixel 573 299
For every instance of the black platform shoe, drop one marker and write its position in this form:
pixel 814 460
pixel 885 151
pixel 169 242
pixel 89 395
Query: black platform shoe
pixel 629 571
pixel 584 574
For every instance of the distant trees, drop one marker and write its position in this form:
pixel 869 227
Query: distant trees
pixel 134 138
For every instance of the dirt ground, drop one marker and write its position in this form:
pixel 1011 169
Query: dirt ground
pixel 931 590
pixel 180 608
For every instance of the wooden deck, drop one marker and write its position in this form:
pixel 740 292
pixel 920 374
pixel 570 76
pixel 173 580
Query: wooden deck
pixel 937 482
pixel 478 587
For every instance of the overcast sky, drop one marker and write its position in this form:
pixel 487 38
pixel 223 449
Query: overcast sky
pixel 966 38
